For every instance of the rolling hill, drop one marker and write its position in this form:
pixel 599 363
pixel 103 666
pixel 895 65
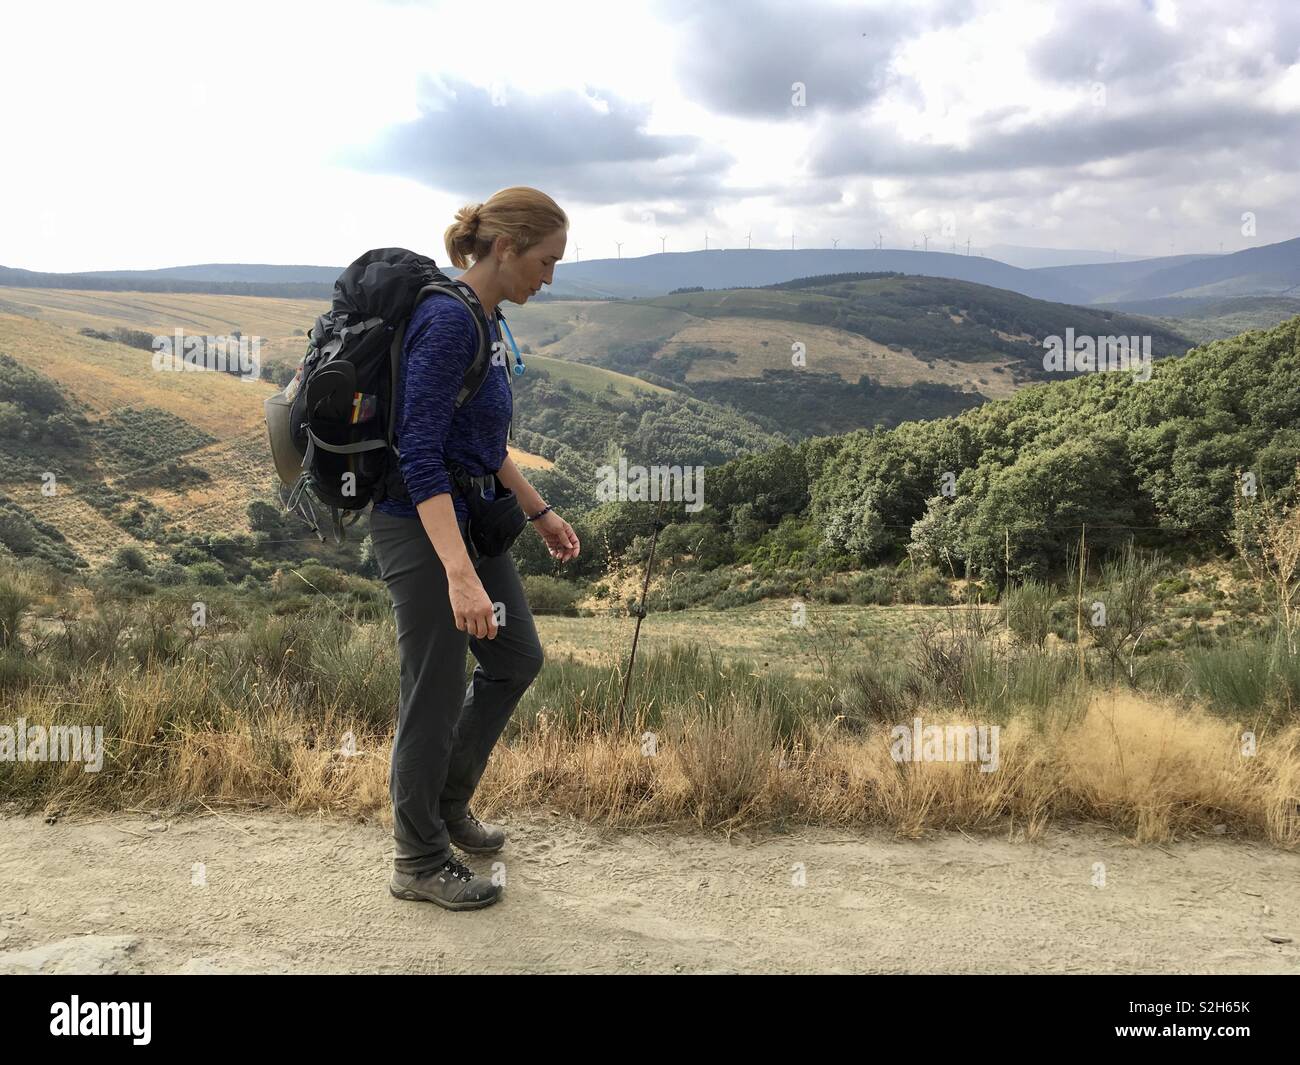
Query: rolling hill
pixel 1110 282
pixel 900 330
pixel 1206 318
pixel 1269 270
pixel 137 455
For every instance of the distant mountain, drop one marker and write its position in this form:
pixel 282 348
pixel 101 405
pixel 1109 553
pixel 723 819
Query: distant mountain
pixel 642 277
pixel 1270 270
pixel 1111 282
pixel 1037 258
pixel 658 275
pixel 1273 269
pixel 14 278
pixel 240 272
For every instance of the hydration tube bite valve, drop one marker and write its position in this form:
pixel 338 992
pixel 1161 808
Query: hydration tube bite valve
pixel 519 359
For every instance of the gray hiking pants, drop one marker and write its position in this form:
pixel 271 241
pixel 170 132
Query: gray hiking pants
pixel 446 731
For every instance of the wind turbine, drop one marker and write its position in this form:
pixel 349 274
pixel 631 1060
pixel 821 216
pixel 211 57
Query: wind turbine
pixel 749 244
pixel 662 245
pixel 835 242
pixel 619 245
pixel 927 241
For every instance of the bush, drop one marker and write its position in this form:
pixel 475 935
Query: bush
pixel 311 578
pixel 131 559
pixel 17 533
pixel 18 670
pixel 1028 613
pixel 169 573
pixel 874 587
pixel 1176 585
pixel 209 573
pixel 13 601
pixel 294 604
pixel 133 586
pixel 551 595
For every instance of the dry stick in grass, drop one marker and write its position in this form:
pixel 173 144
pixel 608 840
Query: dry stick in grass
pixel 1078 623
pixel 640 612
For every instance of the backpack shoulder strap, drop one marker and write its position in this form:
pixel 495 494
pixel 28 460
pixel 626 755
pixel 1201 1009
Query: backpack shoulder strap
pixel 477 371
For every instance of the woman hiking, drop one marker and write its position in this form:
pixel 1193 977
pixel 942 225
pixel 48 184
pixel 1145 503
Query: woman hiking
pixel 442 600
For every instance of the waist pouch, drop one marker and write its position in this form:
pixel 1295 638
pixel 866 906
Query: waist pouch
pixel 494 524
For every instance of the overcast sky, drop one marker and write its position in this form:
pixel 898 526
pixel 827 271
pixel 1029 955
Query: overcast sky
pixel 140 135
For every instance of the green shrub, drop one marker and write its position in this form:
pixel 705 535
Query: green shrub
pixel 207 573
pixel 130 558
pixel 1028 613
pixel 551 595
pixel 13 601
pixel 311 578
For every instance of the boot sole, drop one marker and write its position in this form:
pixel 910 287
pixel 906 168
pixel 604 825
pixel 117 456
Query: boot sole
pixel 471 904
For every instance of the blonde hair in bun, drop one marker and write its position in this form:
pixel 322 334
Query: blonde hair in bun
pixel 524 215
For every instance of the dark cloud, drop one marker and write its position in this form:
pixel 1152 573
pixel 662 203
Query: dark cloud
pixel 1115 42
pixel 1106 42
pixel 744 63
pixel 1089 135
pixel 465 143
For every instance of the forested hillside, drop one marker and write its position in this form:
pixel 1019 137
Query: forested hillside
pixel 1013 480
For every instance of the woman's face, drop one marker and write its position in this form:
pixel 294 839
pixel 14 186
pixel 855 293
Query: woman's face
pixel 525 274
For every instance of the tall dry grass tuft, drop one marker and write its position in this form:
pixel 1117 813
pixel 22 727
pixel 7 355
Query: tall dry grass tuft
pixel 1156 770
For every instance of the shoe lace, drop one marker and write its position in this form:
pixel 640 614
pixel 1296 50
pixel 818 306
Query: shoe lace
pixel 456 869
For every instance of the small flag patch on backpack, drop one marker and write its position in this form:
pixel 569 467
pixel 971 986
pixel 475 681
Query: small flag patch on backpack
pixel 363 407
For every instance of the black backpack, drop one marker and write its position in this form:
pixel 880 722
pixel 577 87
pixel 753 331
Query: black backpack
pixel 331 429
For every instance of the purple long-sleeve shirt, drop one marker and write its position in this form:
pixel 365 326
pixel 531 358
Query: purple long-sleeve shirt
pixel 439 348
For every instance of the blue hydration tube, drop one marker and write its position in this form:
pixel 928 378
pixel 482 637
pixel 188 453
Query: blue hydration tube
pixel 519 359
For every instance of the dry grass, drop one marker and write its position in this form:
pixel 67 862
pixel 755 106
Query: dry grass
pixel 1143 767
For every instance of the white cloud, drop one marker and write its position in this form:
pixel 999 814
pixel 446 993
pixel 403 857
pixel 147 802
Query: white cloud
pixel 153 133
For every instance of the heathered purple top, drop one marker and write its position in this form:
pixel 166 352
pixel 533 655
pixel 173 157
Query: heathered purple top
pixel 439 348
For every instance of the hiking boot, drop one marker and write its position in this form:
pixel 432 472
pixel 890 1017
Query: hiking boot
pixel 453 887
pixel 474 837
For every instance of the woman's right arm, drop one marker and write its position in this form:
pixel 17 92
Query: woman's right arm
pixel 469 602
pixel 441 349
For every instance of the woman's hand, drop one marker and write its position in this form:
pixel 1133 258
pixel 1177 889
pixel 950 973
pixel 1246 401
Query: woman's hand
pixel 471 606
pixel 560 538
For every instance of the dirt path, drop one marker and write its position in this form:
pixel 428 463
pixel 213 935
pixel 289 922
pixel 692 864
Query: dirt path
pixel 286 894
